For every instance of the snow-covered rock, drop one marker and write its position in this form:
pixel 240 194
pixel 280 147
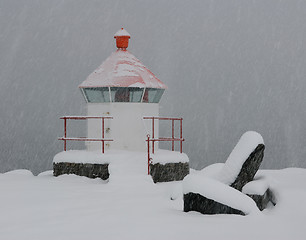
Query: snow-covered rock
pixel 260 192
pixel 215 197
pixel 244 161
pixel 220 191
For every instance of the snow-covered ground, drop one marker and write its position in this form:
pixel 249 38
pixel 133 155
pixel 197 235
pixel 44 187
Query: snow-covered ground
pixel 130 206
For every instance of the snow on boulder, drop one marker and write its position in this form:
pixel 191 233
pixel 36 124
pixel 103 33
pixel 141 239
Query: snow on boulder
pixel 210 171
pixel 81 156
pixel 244 161
pixel 258 187
pixel 210 196
pixel 165 156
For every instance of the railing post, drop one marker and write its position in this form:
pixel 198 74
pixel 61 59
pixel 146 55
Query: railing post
pixel 181 135
pixel 172 134
pixel 65 133
pixel 153 135
pixel 102 119
pixel 148 140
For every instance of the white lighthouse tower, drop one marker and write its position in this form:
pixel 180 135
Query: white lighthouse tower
pixel 122 98
pixel 122 87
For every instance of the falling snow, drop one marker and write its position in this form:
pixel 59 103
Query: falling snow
pixel 230 67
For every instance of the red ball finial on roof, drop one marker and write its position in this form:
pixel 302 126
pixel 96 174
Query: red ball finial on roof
pixel 122 39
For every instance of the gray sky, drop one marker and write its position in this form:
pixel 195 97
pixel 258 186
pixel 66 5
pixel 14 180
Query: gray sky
pixel 231 66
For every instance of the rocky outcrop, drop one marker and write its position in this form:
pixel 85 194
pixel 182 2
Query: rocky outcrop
pixel 249 168
pixel 239 177
pixel 169 171
pixel 199 203
pixel 81 169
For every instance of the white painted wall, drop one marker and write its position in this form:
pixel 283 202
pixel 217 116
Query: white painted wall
pixel 127 128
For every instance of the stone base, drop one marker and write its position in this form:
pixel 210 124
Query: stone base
pixel 81 169
pixel 169 172
pixel 199 203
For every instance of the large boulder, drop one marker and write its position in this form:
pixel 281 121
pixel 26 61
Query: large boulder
pixel 239 169
pixel 209 196
pixel 244 161
pixel 199 203
pixel 249 168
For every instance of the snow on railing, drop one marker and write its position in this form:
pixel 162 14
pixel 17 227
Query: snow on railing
pixel 171 139
pixel 65 138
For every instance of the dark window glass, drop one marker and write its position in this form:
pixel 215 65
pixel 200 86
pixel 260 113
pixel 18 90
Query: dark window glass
pixel 97 95
pixel 120 94
pixel 136 94
pixel 153 95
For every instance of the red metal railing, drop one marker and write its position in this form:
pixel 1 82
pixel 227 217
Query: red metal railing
pixel 102 140
pixel 172 139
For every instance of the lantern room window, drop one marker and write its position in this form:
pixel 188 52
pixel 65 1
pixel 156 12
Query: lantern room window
pixel 129 94
pixel 122 94
pixel 97 95
pixel 152 95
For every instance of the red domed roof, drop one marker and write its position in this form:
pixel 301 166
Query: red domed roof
pixel 122 69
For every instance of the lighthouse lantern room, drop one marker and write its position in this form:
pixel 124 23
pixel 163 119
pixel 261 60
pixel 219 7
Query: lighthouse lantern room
pixel 125 89
pixel 122 97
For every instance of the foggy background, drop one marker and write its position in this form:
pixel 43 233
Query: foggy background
pixel 230 66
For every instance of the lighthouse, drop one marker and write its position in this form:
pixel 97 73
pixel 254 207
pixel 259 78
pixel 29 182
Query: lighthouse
pixel 122 97
pixel 122 87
